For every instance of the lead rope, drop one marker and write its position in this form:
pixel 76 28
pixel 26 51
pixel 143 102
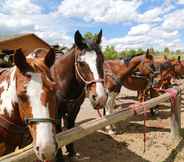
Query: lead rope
pixel 99 113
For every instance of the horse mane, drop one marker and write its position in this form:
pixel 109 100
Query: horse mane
pixel 129 58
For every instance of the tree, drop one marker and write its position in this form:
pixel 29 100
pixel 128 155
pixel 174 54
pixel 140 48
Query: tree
pixel 166 50
pixel 110 52
pixel 140 50
pixel 89 35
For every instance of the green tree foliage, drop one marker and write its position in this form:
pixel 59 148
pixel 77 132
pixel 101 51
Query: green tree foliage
pixel 89 35
pixel 166 50
pixel 110 52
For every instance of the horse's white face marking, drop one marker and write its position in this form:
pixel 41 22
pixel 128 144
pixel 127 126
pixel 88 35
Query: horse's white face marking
pixel 91 59
pixel 44 131
pixel 8 96
pixel 31 56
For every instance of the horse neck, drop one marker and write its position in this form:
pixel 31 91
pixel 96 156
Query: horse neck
pixel 131 66
pixel 67 64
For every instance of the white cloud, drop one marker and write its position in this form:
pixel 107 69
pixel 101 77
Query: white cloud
pixel 100 10
pixel 174 20
pixel 19 7
pixel 151 15
pixel 139 29
pixel 180 1
pixel 23 16
pixel 149 37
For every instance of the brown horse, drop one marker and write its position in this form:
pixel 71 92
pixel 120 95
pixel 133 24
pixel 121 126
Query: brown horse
pixel 178 67
pixel 78 72
pixel 27 100
pixel 167 73
pixel 118 73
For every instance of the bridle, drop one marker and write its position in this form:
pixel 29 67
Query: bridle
pixel 147 66
pixel 86 82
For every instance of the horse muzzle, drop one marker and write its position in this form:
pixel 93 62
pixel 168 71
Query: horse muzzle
pixel 98 102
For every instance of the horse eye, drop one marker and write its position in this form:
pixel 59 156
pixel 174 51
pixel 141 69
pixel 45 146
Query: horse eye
pixel 82 63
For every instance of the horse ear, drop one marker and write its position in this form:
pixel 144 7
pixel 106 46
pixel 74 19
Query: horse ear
pixel 20 61
pixel 147 53
pixel 99 37
pixel 50 58
pixel 165 57
pixel 79 40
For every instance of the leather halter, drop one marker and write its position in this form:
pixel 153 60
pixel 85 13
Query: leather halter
pixel 82 78
pixel 39 120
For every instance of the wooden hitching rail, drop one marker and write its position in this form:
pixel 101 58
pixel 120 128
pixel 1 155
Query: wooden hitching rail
pixel 66 137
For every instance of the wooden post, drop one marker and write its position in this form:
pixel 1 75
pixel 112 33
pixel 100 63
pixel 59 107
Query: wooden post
pixel 175 122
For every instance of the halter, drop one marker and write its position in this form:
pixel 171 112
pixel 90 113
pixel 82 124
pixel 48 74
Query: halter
pixel 82 78
pixel 148 67
pixel 29 121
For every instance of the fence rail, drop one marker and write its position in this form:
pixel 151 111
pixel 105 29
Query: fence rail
pixel 66 137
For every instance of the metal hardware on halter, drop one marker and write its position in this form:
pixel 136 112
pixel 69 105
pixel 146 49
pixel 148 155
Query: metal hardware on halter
pixel 28 121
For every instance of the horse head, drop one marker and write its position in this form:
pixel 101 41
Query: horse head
pixel 167 72
pixel 146 66
pixel 89 68
pixel 36 100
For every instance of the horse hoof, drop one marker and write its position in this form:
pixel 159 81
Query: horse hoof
pixel 74 157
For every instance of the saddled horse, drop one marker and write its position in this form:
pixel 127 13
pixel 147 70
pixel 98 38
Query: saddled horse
pixel 27 100
pixel 118 73
pixel 77 72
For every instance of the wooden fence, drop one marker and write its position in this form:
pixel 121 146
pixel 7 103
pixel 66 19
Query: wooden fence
pixel 66 137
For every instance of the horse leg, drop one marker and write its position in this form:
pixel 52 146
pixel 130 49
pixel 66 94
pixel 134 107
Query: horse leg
pixel 69 122
pixel 109 108
pixel 59 155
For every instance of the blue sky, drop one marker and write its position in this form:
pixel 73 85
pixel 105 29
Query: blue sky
pixel 125 23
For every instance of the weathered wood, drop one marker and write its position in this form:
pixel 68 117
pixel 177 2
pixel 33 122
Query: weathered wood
pixel 175 123
pixel 87 128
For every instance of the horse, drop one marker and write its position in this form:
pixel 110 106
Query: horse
pixel 78 73
pixel 167 72
pixel 118 73
pixel 27 101
pixel 178 67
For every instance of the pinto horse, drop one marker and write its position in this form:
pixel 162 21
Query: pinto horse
pixel 118 73
pixel 27 101
pixel 77 72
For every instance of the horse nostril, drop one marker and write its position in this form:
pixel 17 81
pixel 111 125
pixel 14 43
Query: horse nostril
pixel 94 97
pixel 37 148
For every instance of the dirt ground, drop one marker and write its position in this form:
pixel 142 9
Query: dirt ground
pixel 128 145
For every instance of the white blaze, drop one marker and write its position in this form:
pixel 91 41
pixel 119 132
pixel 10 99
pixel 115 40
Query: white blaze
pixel 8 96
pixel 44 131
pixel 91 59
